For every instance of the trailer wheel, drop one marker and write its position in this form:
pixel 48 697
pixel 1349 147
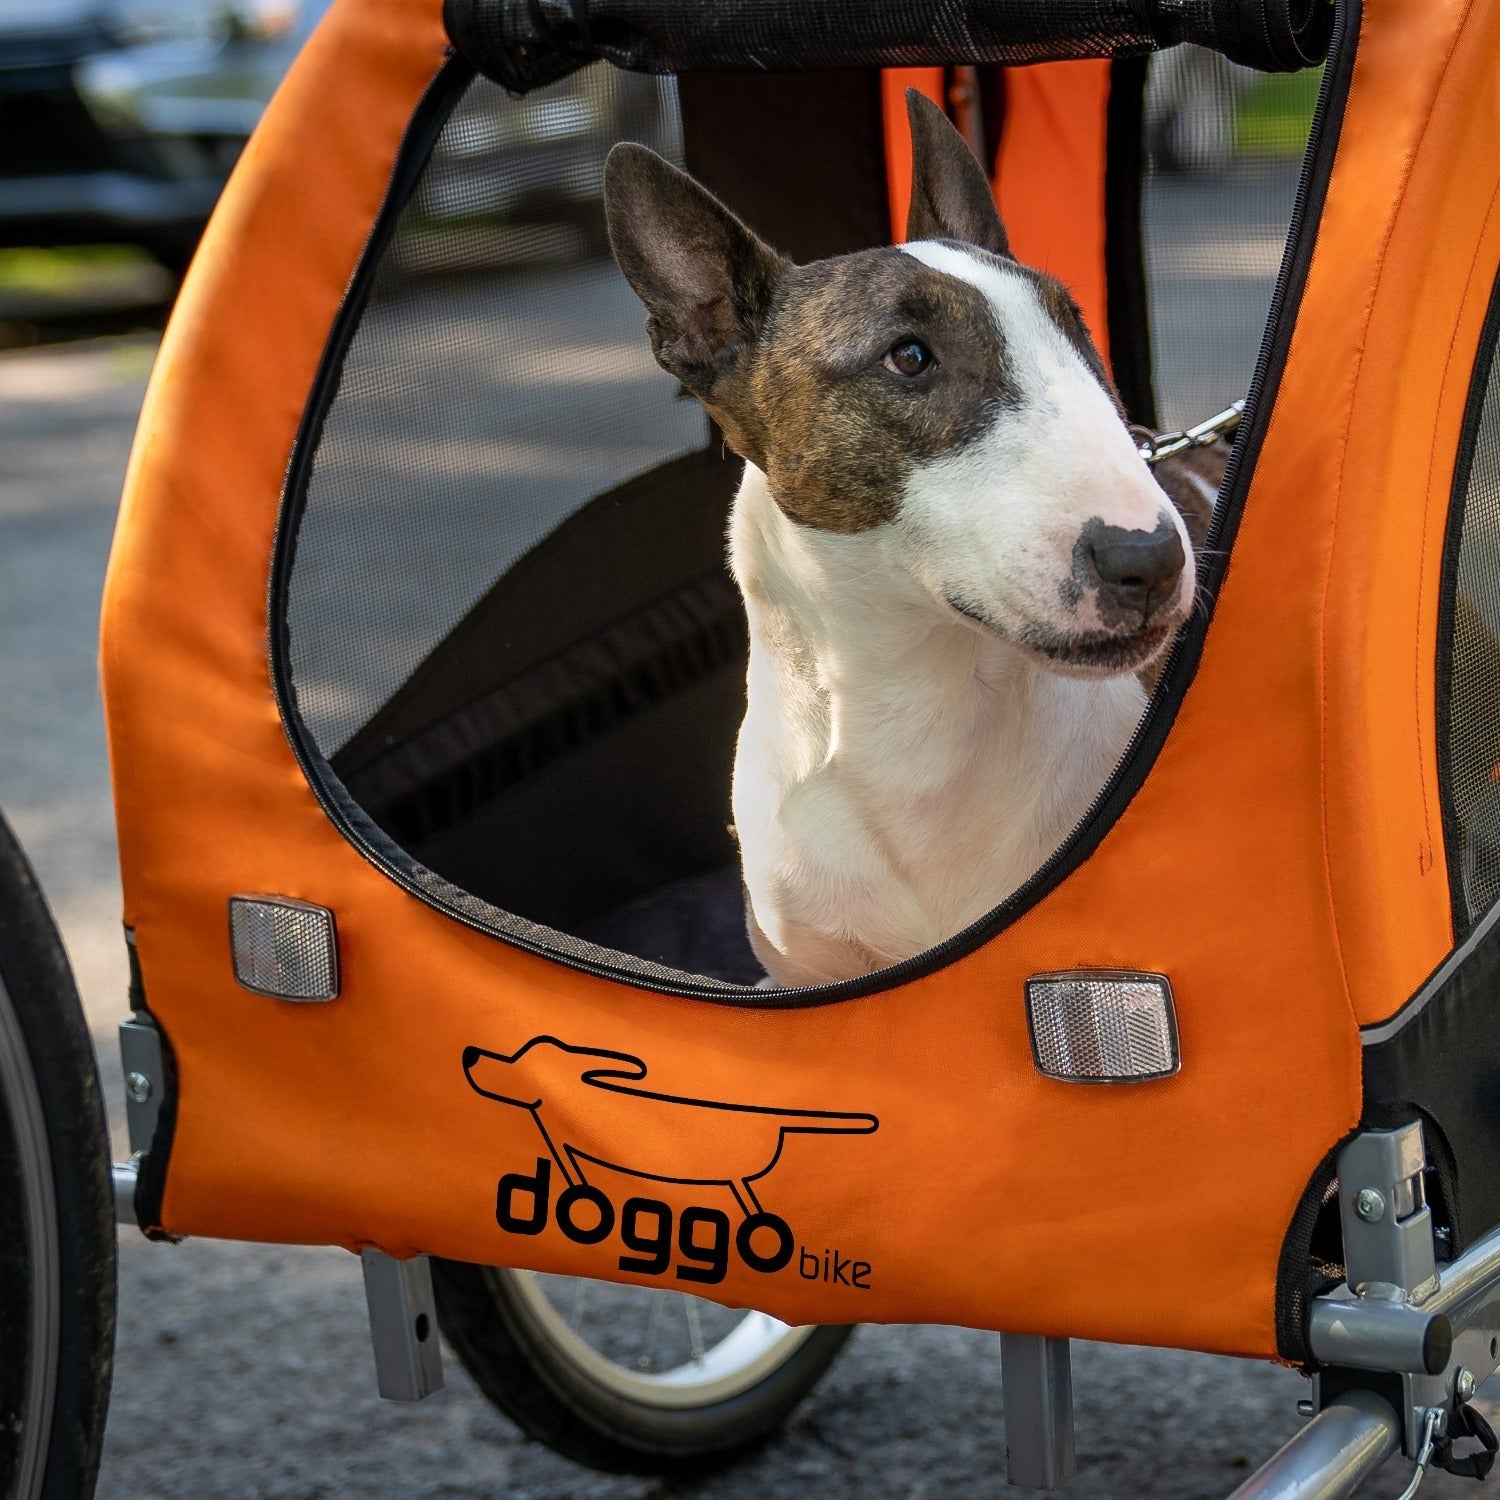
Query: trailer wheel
pixel 57 1231
pixel 628 1380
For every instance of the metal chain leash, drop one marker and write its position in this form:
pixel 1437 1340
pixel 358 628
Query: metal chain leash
pixel 1154 446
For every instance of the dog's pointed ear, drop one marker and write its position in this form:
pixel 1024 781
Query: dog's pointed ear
pixel 950 194
pixel 706 280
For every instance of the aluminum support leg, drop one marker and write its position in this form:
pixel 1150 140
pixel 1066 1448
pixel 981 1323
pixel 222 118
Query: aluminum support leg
pixel 403 1326
pixel 1036 1377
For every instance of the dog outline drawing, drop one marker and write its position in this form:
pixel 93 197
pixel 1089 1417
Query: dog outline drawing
pixel 601 1087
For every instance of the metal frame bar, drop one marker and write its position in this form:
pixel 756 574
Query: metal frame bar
pixel 1036 1377
pixel 1339 1449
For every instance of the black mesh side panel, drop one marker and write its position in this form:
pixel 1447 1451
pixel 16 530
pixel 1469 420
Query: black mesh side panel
pixel 498 380
pixel 1124 242
pixel 1224 148
pixel 1310 1260
pixel 1440 1063
pixel 1468 668
pixel 525 42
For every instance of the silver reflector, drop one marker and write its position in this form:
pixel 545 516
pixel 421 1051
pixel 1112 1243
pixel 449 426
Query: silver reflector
pixel 1102 1025
pixel 283 948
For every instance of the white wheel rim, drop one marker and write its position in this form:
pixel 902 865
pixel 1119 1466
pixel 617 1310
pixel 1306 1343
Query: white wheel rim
pixel 755 1347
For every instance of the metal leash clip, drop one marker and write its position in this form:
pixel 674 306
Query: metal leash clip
pixel 1154 447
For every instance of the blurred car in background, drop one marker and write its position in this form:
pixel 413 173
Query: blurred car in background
pixel 521 180
pixel 120 119
pixel 1192 107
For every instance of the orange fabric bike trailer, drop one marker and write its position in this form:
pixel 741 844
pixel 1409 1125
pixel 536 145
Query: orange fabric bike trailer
pixel 467 775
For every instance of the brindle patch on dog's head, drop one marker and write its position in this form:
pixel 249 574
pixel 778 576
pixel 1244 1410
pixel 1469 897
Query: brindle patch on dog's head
pixel 832 420
pixel 838 377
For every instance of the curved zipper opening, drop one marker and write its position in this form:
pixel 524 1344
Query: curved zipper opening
pixel 1135 762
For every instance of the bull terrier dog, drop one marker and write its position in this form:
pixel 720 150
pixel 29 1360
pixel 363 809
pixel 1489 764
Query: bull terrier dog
pixel 955 563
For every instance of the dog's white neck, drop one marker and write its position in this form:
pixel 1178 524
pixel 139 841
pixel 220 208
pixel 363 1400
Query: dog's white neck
pixel 899 772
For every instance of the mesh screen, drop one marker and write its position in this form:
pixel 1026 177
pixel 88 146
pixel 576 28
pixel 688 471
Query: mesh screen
pixel 524 42
pixel 497 381
pixel 1223 152
pixel 1472 729
pixel 509 624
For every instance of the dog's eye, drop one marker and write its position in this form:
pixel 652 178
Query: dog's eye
pixel 910 357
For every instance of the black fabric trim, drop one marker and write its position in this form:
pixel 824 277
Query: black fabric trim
pixel 398 865
pixel 993 101
pixel 1443 1067
pixel 1293 1275
pixel 1463 466
pixel 1130 353
pixel 151 1178
pixel 525 43
pixel 427 121
pixel 810 173
pixel 136 986
pixel 1305 1268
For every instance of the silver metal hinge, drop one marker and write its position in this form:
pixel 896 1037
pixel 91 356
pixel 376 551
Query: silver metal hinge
pixel 145 1079
pixel 1387 1223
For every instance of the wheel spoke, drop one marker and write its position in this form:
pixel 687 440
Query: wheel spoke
pixel 580 1296
pixel 695 1326
pixel 647 1360
pixel 666 1363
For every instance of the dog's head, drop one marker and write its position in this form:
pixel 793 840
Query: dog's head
pixel 939 400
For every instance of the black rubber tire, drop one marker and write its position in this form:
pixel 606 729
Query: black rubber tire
pixel 544 1393
pixel 52 1129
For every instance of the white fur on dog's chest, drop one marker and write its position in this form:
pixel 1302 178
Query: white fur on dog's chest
pixel 897 773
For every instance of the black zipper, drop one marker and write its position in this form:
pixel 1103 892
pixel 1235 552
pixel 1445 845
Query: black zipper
pixel 1114 797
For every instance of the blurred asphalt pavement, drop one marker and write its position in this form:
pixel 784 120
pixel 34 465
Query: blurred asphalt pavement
pixel 245 1371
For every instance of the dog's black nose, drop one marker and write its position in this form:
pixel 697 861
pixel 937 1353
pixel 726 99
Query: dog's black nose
pixel 1135 569
pixel 471 1056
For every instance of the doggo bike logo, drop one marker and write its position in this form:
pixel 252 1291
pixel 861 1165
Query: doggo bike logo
pixel 667 1138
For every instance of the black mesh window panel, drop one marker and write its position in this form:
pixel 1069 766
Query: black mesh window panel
pixel 1469 662
pixel 1223 151
pixel 498 381
pixel 510 627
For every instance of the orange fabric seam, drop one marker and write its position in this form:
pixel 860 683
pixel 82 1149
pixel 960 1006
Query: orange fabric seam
pixel 1489 215
pixel 1338 496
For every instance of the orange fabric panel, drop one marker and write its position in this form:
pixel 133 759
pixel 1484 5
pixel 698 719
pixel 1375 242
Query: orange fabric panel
pixel 894 83
pixel 986 1195
pixel 1049 177
pixel 1432 241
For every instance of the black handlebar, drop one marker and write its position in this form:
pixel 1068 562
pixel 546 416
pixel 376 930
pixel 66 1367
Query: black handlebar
pixel 525 43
